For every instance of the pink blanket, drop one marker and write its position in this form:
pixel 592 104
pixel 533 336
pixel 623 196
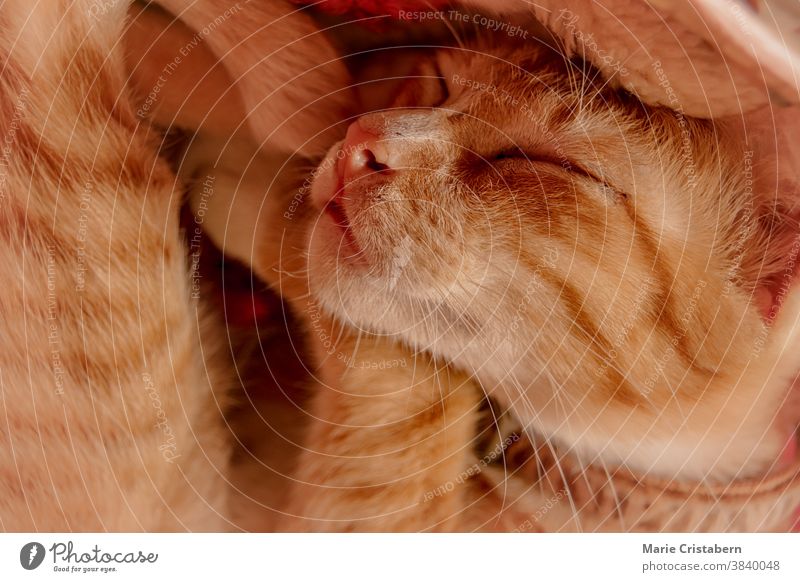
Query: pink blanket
pixel 708 58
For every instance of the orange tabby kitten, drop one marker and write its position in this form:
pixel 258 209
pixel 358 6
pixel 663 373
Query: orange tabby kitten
pixel 603 269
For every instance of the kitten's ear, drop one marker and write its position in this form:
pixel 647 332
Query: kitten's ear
pixel 770 260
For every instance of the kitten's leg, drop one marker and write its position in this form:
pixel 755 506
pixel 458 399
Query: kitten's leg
pixel 389 439
pixel 107 420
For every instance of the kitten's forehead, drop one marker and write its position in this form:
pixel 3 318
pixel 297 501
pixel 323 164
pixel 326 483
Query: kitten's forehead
pixel 547 106
pixel 527 97
pixel 505 74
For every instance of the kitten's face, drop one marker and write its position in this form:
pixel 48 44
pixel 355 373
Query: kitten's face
pixel 444 205
pixel 572 248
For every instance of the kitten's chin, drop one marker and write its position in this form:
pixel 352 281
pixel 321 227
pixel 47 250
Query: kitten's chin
pixel 360 296
pixel 334 242
pixel 347 288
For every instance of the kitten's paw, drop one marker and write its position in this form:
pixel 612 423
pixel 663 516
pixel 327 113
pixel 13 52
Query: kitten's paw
pixel 233 188
pixel 253 206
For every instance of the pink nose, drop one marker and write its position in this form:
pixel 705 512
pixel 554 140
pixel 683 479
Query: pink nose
pixel 364 153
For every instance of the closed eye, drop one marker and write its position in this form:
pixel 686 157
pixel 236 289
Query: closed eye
pixel 515 153
pixel 511 153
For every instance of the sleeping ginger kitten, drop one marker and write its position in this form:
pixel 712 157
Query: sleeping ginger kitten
pixel 602 269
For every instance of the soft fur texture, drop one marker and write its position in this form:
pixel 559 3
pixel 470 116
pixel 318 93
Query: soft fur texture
pixel 109 421
pixel 708 58
pixel 111 405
